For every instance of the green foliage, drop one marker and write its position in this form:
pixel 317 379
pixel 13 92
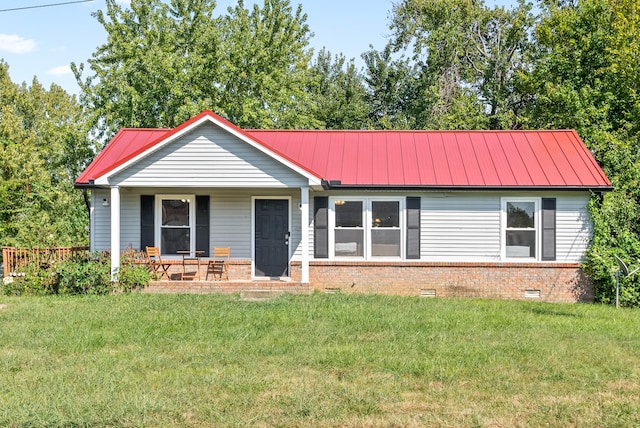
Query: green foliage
pixel 469 61
pixel 615 234
pixel 84 275
pixel 586 77
pixel 80 274
pixel 157 67
pixel 165 62
pixel 43 147
pixel 338 93
pixel 388 86
pixel 132 275
pixel 41 281
pixel 264 66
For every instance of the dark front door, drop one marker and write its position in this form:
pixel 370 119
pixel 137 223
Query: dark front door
pixel 272 237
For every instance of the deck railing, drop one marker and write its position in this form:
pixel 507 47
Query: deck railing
pixel 17 259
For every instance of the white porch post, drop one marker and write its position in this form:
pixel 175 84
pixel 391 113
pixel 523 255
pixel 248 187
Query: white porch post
pixel 304 238
pixel 115 232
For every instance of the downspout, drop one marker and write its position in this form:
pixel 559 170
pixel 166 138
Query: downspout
pixel 86 201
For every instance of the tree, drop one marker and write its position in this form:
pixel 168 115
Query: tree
pixel 389 85
pixel 163 63
pixel 158 67
pixel 586 77
pixel 338 93
pixel 43 146
pixel 265 66
pixel 469 61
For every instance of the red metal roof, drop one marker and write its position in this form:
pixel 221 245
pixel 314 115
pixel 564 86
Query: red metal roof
pixel 438 159
pixel 497 159
pixel 126 144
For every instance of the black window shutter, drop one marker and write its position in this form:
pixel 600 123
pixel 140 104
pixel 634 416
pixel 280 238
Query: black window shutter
pixel 202 224
pixel 548 228
pixel 321 227
pixel 147 233
pixel 413 227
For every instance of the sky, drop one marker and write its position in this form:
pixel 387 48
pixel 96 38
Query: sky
pixel 43 41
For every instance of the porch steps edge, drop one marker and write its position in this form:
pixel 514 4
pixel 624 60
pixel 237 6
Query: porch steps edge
pixel 250 289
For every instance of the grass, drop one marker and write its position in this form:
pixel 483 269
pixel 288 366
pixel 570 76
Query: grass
pixel 322 360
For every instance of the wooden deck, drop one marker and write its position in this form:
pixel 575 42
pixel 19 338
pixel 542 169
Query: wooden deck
pixel 16 260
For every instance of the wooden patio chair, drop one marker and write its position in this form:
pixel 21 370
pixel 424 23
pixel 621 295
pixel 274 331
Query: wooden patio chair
pixel 156 265
pixel 218 266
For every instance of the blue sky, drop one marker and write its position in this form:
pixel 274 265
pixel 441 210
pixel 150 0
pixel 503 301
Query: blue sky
pixel 43 42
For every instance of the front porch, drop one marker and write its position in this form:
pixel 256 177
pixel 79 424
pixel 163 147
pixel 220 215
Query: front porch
pixel 240 281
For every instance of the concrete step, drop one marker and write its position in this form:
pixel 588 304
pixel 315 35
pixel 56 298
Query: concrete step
pixel 259 295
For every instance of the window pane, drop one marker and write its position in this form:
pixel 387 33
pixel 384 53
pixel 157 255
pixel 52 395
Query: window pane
pixel 348 213
pixel 385 214
pixel 385 243
pixel 348 243
pixel 521 214
pixel 521 243
pixel 175 212
pixel 174 239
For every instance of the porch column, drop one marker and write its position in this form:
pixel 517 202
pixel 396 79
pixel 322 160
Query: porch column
pixel 115 232
pixel 304 238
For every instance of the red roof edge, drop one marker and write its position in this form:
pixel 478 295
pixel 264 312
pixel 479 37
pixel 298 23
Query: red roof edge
pixel 89 174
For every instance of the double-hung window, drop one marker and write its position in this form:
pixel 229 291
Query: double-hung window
pixel 366 227
pixel 386 235
pixel 175 217
pixel 349 228
pixel 521 226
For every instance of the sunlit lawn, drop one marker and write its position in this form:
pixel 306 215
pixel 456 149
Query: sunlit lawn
pixel 321 360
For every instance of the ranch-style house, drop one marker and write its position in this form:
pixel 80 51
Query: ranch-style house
pixel 499 214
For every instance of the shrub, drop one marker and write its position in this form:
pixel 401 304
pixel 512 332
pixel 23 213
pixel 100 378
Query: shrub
pixel 81 274
pixel 615 234
pixel 88 274
pixel 132 275
pixel 36 280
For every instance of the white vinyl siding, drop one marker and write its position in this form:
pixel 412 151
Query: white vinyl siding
pixel 465 226
pixel 573 227
pixel 129 221
pixel 454 226
pixel 230 219
pixel 100 221
pixel 460 227
pixel 209 157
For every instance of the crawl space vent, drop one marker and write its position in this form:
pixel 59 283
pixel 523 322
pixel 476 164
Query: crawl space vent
pixel 428 292
pixel 532 294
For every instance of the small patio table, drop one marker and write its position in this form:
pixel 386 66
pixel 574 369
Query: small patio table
pixel 191 256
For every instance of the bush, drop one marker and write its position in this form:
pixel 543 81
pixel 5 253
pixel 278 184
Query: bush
pixel 615 234
pixel 85 275
pixel 80 274
pixel 132 275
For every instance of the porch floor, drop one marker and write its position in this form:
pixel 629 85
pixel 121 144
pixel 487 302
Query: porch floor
pixel 258 288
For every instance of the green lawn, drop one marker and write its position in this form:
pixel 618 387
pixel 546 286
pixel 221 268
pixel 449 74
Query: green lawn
pixel 322 360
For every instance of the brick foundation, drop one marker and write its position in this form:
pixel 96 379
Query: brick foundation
pixel 549 282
